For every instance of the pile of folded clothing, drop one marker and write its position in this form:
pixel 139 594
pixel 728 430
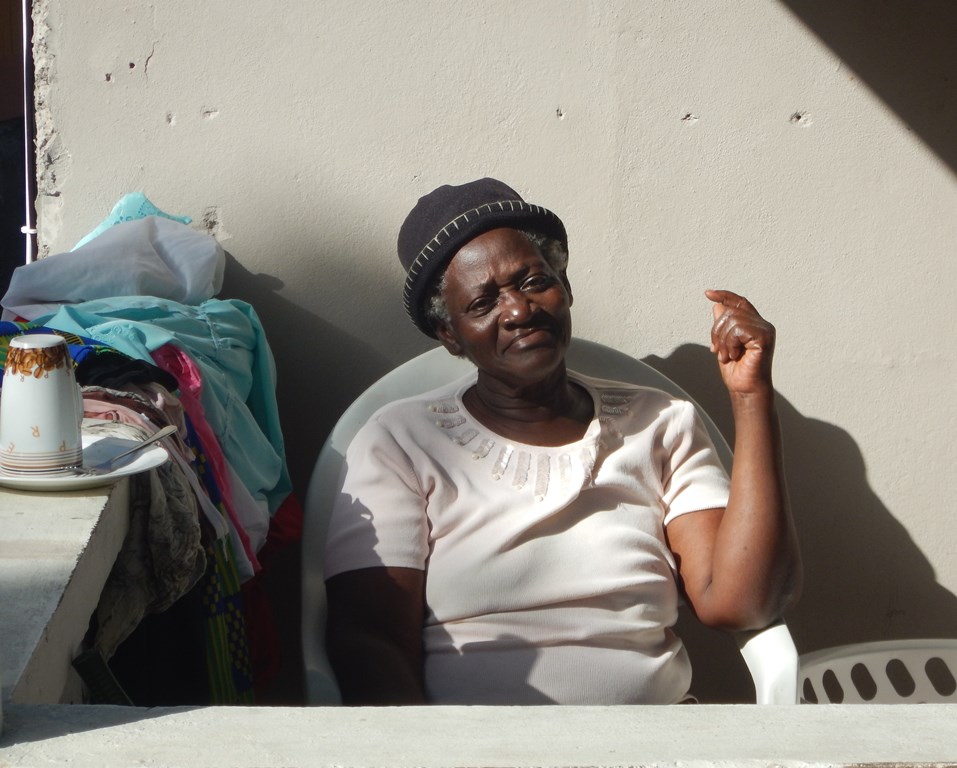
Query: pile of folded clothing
pixel 152 346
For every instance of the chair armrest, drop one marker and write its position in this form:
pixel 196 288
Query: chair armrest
pixel 772 660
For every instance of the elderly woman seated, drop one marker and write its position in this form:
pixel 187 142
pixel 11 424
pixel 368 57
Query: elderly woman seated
pixel 525 534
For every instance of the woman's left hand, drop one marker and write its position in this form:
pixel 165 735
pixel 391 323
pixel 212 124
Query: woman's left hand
pixel 743 342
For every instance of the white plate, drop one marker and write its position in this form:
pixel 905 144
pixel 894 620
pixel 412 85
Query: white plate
pixel 96 448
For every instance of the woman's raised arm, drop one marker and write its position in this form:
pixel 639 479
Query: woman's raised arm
pixel 740 566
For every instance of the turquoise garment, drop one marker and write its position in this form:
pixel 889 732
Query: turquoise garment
pixel 227 341
pixel 130 207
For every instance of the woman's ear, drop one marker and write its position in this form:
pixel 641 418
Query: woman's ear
pixel 448 339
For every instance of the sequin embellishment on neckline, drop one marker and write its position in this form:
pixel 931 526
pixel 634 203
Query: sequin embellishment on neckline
pixel 530 468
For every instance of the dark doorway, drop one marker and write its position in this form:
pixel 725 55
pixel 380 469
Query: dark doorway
pixel 16 135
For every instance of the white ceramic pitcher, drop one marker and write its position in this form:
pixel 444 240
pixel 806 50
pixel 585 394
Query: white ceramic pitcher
pixel 41 407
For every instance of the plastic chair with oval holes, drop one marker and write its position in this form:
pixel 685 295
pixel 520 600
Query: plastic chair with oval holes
pixel 913 671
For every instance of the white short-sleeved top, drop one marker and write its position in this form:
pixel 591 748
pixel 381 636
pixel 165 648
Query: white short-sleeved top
pixel 548 576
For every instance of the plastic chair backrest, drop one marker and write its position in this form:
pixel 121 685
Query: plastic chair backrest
pixel 914 671
pixel 769 654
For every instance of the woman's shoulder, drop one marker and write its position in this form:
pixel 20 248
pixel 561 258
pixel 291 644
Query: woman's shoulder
pixel 632 407
pixel 427 405
pixel 609 389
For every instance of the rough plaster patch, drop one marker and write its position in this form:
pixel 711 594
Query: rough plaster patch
pixel 801 118
pixel 213 223
pixel 52 159
pixel 209 113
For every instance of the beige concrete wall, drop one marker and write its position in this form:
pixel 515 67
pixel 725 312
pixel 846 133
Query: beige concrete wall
pixel 799 155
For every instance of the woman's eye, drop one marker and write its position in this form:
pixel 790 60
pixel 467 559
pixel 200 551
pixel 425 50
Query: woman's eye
pixel 482 304
pixel 536 282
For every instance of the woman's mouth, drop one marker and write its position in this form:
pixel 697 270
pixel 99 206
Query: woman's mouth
pixel 532 337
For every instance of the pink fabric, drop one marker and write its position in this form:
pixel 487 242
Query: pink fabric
pixel 174 360
pixel 108 411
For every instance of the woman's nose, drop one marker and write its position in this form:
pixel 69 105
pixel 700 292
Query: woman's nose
pixel 517 307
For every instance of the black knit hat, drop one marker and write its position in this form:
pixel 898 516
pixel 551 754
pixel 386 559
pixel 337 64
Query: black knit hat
pixel 446 219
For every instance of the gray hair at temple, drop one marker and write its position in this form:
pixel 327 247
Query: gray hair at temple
pixel 552 250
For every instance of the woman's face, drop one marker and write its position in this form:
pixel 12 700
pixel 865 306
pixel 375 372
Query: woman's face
pixel 508 309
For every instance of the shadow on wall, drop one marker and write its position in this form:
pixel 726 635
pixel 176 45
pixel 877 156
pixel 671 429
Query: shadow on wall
pixel 320 367
pixel 320 370
pixel 904 52
pixel 865 578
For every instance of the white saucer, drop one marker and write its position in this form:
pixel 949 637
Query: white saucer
pixel 96 448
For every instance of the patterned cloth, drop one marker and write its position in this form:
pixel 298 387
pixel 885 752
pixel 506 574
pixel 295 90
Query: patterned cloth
pixel 227 648
pixel 93 361
pixel 171 547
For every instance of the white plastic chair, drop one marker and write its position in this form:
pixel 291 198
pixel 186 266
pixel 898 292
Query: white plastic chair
pixel 887 672
pixel 769 654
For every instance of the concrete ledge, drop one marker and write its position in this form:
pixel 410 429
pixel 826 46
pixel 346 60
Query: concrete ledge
pixel 56 551
pixel 492 737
